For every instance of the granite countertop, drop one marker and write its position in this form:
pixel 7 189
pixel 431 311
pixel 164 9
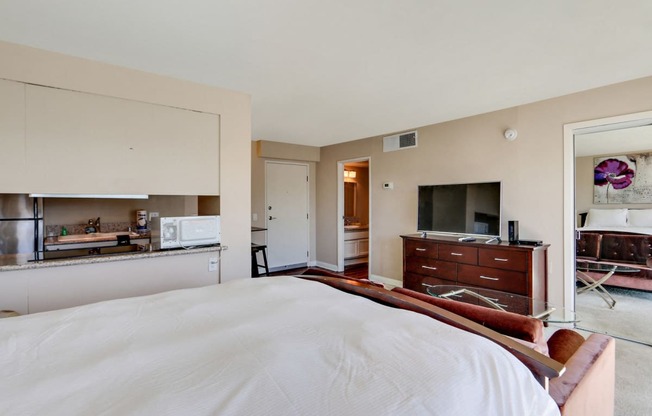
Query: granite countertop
pixel 351 228
pixel 24 262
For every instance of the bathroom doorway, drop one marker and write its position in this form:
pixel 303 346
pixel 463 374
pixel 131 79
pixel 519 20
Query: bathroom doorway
pixel 353 250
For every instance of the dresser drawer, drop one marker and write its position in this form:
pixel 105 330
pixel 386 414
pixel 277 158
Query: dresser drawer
pixel 458 254
pixel 418 282
pixel 508 301
pixel 430 267
pixel 421 248
pixel 498 279
pixel 413 281
pixel 503 259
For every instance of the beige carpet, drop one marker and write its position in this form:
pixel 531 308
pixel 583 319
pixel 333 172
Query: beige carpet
pixel 629 319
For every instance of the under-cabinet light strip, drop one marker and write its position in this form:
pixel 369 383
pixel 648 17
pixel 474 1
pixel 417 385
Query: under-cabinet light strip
pixel 108 196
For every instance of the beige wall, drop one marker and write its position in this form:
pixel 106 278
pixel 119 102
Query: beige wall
pixel 471 150
pixel 80 210
pixel 36 66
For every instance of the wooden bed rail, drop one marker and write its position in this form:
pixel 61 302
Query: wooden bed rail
pixel 542 367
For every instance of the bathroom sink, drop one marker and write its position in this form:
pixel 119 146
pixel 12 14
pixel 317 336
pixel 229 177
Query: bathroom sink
pixel 355 227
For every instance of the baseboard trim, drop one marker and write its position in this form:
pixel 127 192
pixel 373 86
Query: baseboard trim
pixel 327 266
pixel 386 281
pixel 287 267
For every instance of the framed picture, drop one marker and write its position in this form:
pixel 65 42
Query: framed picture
pixel 623 179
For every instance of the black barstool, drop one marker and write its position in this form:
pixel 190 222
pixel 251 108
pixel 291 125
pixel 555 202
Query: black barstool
pixel 255 266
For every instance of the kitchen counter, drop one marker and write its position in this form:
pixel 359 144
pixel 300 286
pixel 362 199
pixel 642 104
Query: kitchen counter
pixel 92 240
pixel 352 228
pixel 21 262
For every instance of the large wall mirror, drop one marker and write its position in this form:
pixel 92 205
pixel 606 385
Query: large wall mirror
pixel 586 144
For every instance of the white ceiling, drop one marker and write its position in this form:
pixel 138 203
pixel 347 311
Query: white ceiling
pixel 620 141
pixel 323 72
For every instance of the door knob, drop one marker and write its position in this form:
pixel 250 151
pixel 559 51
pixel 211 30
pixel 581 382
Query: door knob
pixel 272 218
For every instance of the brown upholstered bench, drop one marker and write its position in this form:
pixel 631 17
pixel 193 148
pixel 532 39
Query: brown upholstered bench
pixel 626 249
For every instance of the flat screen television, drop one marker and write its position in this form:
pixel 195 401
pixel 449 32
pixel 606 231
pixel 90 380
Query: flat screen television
pixel 469 209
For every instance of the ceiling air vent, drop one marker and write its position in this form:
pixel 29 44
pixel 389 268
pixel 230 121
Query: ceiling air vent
pixel 400 141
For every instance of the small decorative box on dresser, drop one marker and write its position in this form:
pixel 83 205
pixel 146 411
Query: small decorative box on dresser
pixel 442 260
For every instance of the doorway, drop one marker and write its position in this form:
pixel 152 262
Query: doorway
pixel 582 143
pixel 354 215
pixel 286 215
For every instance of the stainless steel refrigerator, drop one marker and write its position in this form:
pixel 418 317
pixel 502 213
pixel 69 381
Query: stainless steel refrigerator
pixel 21 225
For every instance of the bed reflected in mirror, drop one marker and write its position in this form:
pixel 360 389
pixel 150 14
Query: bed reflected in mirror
pixel 616 300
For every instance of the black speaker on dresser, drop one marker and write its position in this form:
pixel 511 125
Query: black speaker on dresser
pixel 512 231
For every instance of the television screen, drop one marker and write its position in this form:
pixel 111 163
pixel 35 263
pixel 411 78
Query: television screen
pixel 472 209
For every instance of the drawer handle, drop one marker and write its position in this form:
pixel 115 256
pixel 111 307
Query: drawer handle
pixel 499 259
pixel 420 249
pixel 429 267
pixel 456 254
pixel 489 278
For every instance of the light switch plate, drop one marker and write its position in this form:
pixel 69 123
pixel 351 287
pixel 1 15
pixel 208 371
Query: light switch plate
pixel 212 264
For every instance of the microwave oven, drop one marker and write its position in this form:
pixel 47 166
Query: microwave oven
pixel 186 232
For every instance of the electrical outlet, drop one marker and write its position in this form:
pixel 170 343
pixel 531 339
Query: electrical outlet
pixel 212 264
pixel 254 217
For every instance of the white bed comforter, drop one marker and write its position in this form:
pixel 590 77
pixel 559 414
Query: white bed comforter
pixel 607 229
pixel 270 346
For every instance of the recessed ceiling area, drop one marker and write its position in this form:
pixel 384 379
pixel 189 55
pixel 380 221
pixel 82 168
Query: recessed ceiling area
pixel 614 142
pixel 325 72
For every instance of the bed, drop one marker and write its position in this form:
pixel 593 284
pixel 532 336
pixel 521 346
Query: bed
pixel 273 346
pixel 617 237
pixel 617 221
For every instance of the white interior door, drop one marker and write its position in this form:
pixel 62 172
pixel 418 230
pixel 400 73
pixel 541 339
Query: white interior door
pixel 286 214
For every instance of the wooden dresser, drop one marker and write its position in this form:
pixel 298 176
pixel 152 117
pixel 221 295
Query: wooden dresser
pixel 441 260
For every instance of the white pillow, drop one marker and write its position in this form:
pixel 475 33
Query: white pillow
pixel 607 218
pixel 640 217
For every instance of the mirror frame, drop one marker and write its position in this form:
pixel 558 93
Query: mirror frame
pixel 569 224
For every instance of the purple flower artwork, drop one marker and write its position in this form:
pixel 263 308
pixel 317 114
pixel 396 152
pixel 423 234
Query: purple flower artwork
pixel 613 178
pixel 613 172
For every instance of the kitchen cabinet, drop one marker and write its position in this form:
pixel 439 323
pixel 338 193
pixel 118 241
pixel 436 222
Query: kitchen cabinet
pixel 12 137
pixel 516 269
pixel 42 289
pixel 13 293
pixel 85 143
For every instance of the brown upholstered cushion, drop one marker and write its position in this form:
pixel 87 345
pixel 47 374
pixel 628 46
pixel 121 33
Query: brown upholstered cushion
pixel 587 386
pixel 588 246
pixel 563 344
pixel 626 248
pixel 507 323
pixel 320 272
